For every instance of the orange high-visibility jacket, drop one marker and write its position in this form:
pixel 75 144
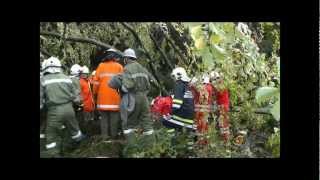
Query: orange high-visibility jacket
pixel 86 94
pixel 108 99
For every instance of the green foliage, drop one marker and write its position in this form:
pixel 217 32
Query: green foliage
pixel 96 146
pixel 273 143
pixel 160 146
pixel 270 94
pixel 266 93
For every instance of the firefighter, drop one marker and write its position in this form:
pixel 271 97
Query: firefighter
pixel 87 98
pixel 222 102
pixel 74 75
pixel 58 94
pixel 86 93
pixel 108 99
pixel 182 103
pixel 136 80
pixel 42 111
pixel 75 78
pixel 203 100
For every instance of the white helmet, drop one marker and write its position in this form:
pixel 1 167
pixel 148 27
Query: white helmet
pixel 85 70
pixel 129 53
pixel 51 65
pixel 180 73
pixel 43 65
pixel 205 79
pixel 75 69
pixel 93 73
pixel 214 75
pixel 111 50
pixel 194 80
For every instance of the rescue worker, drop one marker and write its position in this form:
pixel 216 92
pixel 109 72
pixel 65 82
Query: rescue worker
pixel 108 99
pixel 182 104
pixel 96 113
pixel 91 78
pixel 74 76
pixel 203 101
pixel 87 98
pixel 136 80
pixel 222 100
pixel 42 113
pixel 58 95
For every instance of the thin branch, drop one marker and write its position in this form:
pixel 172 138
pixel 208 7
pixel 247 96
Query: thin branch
pixel 78 39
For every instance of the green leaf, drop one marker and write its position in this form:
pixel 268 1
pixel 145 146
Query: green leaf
pixel 265 93
pixel 199 43
pixel 207 58
pixel 196 32
pixel 215 39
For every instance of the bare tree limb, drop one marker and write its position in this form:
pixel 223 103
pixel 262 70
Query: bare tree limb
pixel 78 39
pixel 128 27
pixel 161 52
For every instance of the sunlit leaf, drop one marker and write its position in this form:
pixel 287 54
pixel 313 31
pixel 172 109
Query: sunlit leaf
pixel 266 93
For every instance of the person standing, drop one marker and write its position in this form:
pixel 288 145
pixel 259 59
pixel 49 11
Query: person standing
pixel 108 99
pixel 58 95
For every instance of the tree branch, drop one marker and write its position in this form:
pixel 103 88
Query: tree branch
pixel 78 39
pixel 176 49
pixel 149 59
pixel 128 27
pixel 161 52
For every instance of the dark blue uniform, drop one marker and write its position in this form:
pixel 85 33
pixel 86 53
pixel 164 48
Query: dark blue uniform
pixel 182 108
